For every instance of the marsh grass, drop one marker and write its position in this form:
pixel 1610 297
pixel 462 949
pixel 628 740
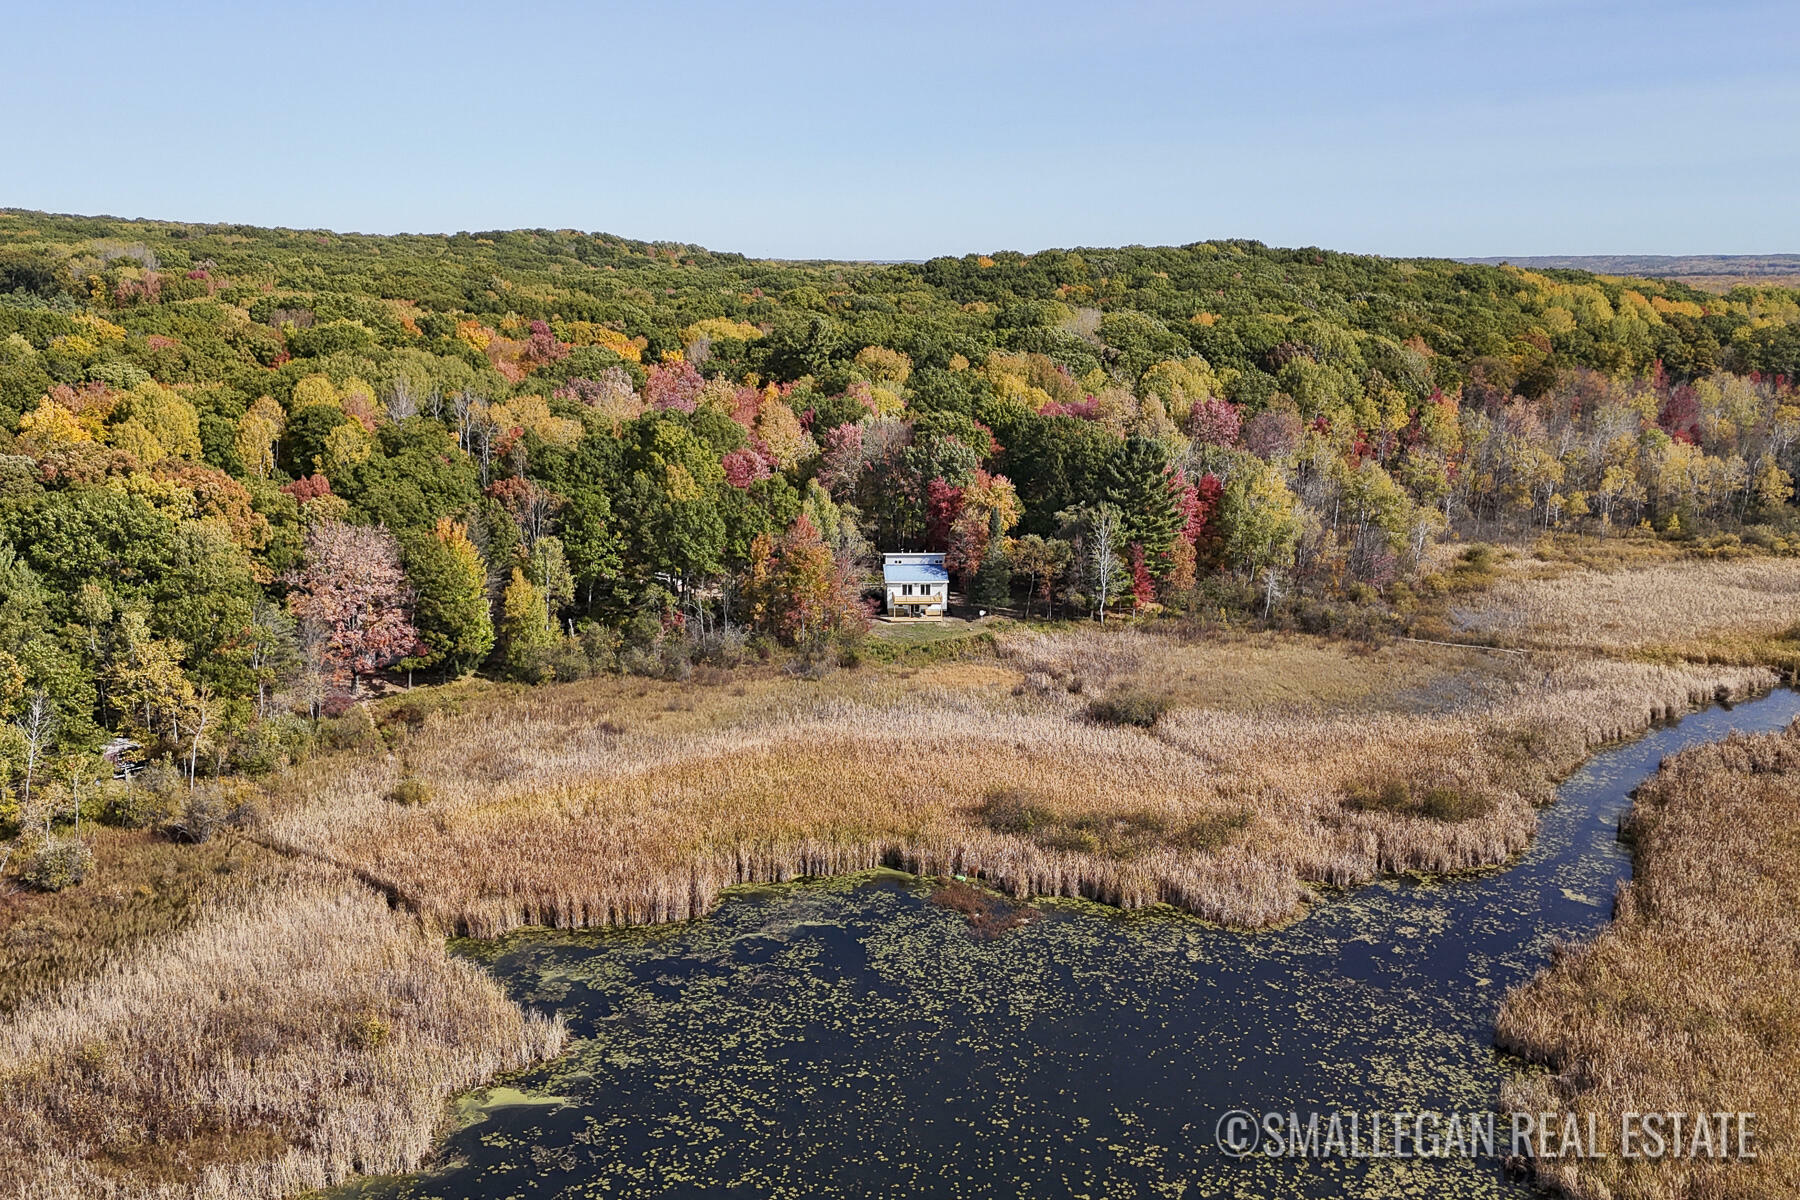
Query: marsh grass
pixel 142 887
pixel 1224 669
pixel 300 1033
pixel 543 812
pixel 1680 606
pixel 1690 1000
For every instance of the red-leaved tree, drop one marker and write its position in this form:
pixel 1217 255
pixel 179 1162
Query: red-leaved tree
pixel 308 487
pixel 352 601
pixel 1214 422
pixel 744 467
pixel 943 504
pixel 1143 587
pixel 841 460
pixel 542 347
pixel 673 387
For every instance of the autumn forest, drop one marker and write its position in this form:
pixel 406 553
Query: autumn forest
pixel 244 469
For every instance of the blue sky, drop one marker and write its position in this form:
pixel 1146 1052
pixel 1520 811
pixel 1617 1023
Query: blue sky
pixel 906 130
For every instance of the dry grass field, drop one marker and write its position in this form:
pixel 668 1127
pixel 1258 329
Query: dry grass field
pixel 300 1032
pixel 1690 1001
pixel 621 802
pixel 1667 605
pixel 266 1015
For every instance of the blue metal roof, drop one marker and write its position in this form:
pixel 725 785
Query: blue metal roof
pixel 915 573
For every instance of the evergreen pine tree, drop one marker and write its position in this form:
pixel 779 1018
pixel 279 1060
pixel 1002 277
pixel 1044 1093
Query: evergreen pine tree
pixel 993 580
pixel 1136 481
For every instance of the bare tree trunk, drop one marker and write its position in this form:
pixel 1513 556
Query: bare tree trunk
pixel 202 718
pixel 37 724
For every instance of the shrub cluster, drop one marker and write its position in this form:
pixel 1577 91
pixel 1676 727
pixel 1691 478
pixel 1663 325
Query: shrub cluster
pixel 1119 835
pixel 1130 707
pixel 411 790
pixel 56 864
pixel 1406 798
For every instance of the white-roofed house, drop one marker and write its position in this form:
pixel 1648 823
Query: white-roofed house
pixel 916 584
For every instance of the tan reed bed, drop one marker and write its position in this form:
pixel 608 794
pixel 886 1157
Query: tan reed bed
pixel 285 1040
pixel 143 887
pixel 1681 604
pixel 547 812
pixel 1690 1000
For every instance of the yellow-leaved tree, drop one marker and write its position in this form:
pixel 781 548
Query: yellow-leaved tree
pixel 257 432
pixel 48 426
pixel 166 416
pixel 718 328
pixel 314 390
pixel 346 446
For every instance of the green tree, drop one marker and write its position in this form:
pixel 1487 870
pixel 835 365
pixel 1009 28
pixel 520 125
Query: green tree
pixel 415 477
pixel 668 504
pixel 1262 523
pixel 526 637
pixel 205 602
pixel 1095 533
pixel 451 608
pixel 1137 483
pixel 1042 561
pixel 1057 464
pixel 592 541
pixel 85 533
pixel 275 657
pixel 993 581
pixel 303 442
pixel 549 568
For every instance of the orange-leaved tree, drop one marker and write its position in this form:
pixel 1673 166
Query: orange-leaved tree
pixel 798 590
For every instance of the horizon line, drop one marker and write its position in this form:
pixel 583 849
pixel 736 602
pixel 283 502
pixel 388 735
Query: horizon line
pixel 1474 259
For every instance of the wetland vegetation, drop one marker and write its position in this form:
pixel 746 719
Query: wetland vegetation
pixel 1240 800
pixel 875 1033
pixel 1690 1000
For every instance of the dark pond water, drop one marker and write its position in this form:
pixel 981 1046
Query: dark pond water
pixel 850 1038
